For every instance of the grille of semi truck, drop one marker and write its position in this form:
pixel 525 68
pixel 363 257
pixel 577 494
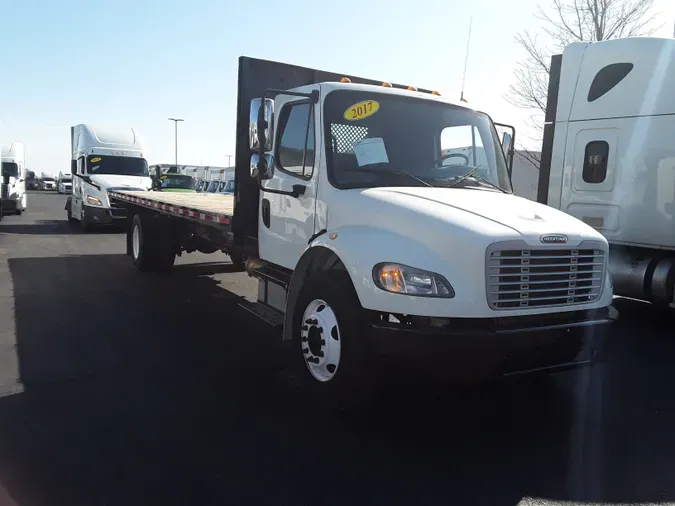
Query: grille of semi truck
pixel 539 277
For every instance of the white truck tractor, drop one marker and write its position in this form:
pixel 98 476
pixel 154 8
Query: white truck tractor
pixel 64 183
pixel 102 161
pixel 608 155
pixel 372 229
pixel 14 198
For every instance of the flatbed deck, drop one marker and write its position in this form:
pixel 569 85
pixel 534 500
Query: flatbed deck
pixel 212 208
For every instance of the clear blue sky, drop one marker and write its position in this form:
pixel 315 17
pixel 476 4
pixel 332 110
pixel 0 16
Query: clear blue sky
pixel 136 63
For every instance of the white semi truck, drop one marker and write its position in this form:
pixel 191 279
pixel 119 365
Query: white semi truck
pixel 365 237
pixel 14 199
pixel 104 160
pixel 64 183
pixel 608 155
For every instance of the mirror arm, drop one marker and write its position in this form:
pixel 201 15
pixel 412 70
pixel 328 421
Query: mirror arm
pixel 298 190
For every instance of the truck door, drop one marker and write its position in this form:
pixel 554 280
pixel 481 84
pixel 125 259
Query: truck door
pixel 286 223
pixel 587 191
pixel 78 189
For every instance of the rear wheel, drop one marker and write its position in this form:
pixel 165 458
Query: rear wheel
pixel 151 246
pixel 331 361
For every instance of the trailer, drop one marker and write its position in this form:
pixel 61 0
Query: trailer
pixel 371 231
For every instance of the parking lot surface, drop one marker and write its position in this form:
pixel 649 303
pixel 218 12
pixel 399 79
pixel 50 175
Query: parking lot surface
pixel 119 388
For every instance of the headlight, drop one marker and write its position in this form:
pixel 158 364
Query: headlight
pixel 93 201
pixel 397 278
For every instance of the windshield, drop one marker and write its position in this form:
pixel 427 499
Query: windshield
pixel 66 180
pixel 213 186
pixel 121 165
pixel 10 169
pixel 373 135
pixel 176 181
pixel 49 179
pixel 227 186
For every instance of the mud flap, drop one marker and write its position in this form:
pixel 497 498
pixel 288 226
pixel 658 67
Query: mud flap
pixel 67 206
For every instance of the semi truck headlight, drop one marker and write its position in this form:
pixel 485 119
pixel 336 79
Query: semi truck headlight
pixel 398 278
pixel 93 201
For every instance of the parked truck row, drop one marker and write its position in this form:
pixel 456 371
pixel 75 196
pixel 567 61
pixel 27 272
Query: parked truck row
pixel 380 218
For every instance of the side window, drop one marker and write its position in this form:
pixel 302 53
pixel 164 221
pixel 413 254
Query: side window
pixel 595 162
pixel 465 140
pixel 292 147
pixel 80 165
pixel 607 78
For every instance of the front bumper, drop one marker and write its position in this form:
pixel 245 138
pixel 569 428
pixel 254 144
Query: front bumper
pixel 104 216
pixel 10 204
pixel 488 348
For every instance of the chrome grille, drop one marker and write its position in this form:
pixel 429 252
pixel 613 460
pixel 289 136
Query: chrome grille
pixel 519 278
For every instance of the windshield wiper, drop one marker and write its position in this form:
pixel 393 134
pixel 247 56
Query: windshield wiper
pixel 87 179
pixel 472 175
pixel 390 171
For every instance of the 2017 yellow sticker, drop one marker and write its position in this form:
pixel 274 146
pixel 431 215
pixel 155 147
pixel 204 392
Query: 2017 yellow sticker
pixel 95 160
pixel 361 110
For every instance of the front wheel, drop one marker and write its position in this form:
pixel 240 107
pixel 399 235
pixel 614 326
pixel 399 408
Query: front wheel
pixel 329 343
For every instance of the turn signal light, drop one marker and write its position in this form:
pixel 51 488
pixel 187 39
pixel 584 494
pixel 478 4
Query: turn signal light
pixel 436 93
pixel 386 85
pixel 412 88
pixel 345 80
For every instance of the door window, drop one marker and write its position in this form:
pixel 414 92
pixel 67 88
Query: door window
pixel 295 152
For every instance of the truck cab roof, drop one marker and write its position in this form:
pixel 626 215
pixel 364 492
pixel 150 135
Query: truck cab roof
pixel 106 141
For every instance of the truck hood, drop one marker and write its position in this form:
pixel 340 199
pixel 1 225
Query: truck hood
pixel 457 205
pixel 119 182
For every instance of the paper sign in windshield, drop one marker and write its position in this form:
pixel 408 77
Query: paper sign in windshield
pixel 361 110
pixel 370 151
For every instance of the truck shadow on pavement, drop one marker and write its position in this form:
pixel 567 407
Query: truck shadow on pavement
pixel 156 389
pixel 51 227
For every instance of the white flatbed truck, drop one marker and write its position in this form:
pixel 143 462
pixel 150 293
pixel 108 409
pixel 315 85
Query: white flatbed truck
pixel 366 236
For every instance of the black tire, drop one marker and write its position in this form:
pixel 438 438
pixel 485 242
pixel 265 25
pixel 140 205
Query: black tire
pixel 355 381
pixel 18 212
pixel 69 216
pixel 155 252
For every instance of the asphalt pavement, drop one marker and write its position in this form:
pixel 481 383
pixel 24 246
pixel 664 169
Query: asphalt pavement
pixel 122 388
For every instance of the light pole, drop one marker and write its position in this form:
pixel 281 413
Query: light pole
pixel 175 122
pixel 228 160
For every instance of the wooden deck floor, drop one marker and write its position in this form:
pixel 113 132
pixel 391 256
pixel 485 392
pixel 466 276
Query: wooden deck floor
pixel 205 202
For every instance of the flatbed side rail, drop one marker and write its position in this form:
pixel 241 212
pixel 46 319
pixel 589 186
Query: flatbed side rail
pixel 173 209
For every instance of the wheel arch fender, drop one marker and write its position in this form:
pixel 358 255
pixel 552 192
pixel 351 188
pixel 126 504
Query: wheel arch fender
pixel 356 250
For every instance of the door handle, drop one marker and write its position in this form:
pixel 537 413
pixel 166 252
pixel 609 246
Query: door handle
pixel 266 212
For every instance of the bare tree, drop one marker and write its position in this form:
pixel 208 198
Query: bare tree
pixel 564 22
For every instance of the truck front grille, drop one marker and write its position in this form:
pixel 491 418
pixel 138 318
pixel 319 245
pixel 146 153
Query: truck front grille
pixel 545 277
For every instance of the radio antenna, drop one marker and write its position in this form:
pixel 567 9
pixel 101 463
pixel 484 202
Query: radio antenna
pixel 466 61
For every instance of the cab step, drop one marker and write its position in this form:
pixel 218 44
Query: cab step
pixel 269 315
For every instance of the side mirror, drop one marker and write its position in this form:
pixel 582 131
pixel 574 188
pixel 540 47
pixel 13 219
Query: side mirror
pixel 262 168
pixel 506 142
pixel 260 133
